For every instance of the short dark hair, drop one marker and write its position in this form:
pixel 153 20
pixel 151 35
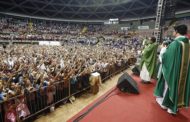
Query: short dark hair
pixel 181 29
pixel 166 43
pixel 153 39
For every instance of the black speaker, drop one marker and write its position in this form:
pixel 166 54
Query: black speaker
pixel 136 70
pixel 127 84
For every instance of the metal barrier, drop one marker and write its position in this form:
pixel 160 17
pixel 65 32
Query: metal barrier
pixel 37 101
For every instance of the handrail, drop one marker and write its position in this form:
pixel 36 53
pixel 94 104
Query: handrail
pixel 39 103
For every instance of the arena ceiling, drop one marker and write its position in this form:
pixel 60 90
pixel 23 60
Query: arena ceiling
pixel 85 9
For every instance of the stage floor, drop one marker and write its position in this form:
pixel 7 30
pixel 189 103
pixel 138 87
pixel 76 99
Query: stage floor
pixel 123 107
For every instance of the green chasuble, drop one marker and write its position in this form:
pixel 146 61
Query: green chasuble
pixel 176 72
pixel 149 57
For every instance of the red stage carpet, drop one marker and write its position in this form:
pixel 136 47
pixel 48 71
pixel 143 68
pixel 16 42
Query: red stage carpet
pixel 124 107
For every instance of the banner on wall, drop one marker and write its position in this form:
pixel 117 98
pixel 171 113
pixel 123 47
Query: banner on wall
pixel 50 43
pixel 143 27
pixel 125 28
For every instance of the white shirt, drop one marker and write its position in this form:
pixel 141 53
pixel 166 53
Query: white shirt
pixel 163 50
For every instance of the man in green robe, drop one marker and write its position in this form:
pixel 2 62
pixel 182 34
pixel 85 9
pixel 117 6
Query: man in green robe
pixel 148 61
pixel 173 87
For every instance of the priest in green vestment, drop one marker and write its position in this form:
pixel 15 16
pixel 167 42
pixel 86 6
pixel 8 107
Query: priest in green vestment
pixel 173 87
pixel 148 61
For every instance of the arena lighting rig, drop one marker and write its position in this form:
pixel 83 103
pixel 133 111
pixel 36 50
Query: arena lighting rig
pixel 165 11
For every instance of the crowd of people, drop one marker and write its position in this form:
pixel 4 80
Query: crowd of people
pixel 15 29
pixel 29 67
pixel 25 69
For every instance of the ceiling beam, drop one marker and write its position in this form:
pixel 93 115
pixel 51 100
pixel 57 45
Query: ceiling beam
pixel 15 5
pixel 41 9
pixel 83 5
